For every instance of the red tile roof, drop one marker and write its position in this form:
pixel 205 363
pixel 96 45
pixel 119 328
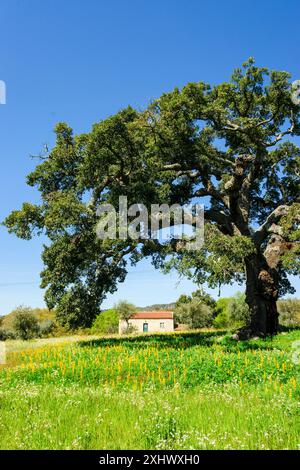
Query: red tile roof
pixel 161 315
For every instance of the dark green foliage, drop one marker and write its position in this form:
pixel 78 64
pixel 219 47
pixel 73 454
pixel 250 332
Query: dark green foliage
pixel 199 295
pixel 25 324
pixel 3 335
pixel 6 334
pixel 225 146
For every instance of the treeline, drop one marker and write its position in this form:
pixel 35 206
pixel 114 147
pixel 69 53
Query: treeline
pixel 198 310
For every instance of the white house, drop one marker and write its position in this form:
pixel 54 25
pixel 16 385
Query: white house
pixel 149 322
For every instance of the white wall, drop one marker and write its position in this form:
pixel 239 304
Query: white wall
pixel 153 325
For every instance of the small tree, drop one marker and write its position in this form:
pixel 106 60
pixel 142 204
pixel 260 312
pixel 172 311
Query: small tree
pixel 191 309
pixel 106 322
pixel 200 295
pixel 231 311
pixel 25 323
pixel 125 310
pixel 194 314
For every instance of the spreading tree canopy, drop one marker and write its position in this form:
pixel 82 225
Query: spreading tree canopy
pixel 231 146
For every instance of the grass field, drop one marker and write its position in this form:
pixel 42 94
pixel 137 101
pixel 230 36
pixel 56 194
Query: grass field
pixel 193 390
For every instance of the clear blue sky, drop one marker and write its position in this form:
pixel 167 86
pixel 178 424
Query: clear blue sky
pixel 80 61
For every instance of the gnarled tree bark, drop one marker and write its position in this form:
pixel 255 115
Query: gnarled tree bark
pixel 261 297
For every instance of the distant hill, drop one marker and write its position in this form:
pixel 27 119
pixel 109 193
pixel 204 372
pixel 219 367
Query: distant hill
pixel 154 307
pixel 41 314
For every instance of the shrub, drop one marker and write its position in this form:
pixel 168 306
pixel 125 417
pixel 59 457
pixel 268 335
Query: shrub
pixel 231 311
pixel 239 313
pixel 195 310
pixel 222 319
pixel 107 322
pixel 129 329
pixel 289 312
pixel 25 324
pixel 6 334
pixel 47 327
pixel 195 314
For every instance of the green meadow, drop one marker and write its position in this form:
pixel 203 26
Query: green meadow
pixel 188 390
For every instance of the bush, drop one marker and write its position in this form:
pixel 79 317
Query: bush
pixel 239 313
pixel 289 312
pixel 195 314
pixel 25 324
pixel 195 310
pixel 6 334
pixel 46 328
pixel 129 329
pixel 106 323
pixel 222 319
pixel 231 312
pixel 3 336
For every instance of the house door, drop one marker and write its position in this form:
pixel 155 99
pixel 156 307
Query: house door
pixel 145 327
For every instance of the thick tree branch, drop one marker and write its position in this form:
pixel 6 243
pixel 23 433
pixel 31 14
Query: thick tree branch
pixel 221 219
pixel 263 231
pixel 280 136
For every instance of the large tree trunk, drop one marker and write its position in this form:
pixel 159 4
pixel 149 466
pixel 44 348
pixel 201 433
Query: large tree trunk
pixel 261 296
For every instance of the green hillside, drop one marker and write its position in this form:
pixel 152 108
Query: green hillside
pixel 41 314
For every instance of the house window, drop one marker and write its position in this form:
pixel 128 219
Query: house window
pixel 162 325
pixel 145 327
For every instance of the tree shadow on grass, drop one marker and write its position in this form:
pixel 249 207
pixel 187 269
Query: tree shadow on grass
pixel 185 340
pixel 160 341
